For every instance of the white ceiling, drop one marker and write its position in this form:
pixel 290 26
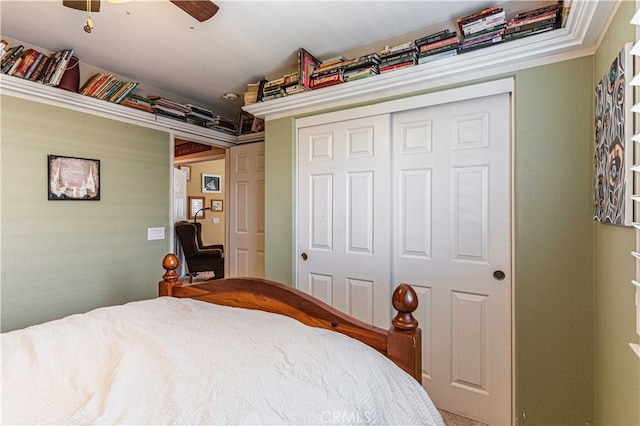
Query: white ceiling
pixel 160 45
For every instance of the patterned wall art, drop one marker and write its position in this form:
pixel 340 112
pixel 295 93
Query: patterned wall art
pixel 613 149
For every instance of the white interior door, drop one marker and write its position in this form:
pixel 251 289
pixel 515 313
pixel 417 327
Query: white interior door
pixel 179 211
pixel 451 209
pixel 344 216
pixel 246 211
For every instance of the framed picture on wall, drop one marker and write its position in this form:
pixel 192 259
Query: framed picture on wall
pixel 71 178
pixel 187 171
pixel 196 207
pixel 613 149
pixel 211 183
pixel 216 205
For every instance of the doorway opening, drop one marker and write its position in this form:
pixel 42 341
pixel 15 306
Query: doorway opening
pixel 200 193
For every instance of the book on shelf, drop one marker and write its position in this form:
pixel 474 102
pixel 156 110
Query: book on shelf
pixel 3 48
pixel 137 102
pixel 224 125
pixel 438 50
pixel 40 68
pixel 398 48
pixel 326 80
pixel 554 8
pixel 444 42
pixel 410 48
pixel 28 58
pixel 34 66
pixel 274 96
pixel 397 66
pixel 114 89
pixel 364 61
pixel 101 92
pixel 91 81
pixel 168 103
pixel 468 47
pixel 130 87
pixel 292 90
pixel 476 16
pixel 528 25
pixel 400 60
pixel 201 112
pixel 529 32
pixel 484 24
pixel 251 94
pixel 107 87
pixel 12 55
pixel 361 73
pixel 481 29
pixel 59 66
pixel 261 84
pixel 329 64
pixel 10 64
pixel 306 64
pixel 435 37
pixel 15 63
pixel 423 59
pixel 104 80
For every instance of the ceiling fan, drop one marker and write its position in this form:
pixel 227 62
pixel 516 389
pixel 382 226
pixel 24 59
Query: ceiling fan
pixel 199 9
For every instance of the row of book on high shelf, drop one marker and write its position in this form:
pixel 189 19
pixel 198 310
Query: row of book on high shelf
pixel 192 114
pixel 477 30
pixel 30 64
pixel 107 87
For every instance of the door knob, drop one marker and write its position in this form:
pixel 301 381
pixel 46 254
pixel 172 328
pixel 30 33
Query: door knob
pixel 304 256
pixel 499 275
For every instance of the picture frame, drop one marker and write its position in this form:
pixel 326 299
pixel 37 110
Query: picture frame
pixel 73 178
pixel 196 207
pixel 216 205
pixel 211 183
pixel 187 170
pixel 613 148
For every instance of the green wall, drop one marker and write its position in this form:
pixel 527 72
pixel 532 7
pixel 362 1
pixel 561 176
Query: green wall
pixel 553 252
pixel 64 257
pixel 279 199
pixel 617 367
pixel 553 288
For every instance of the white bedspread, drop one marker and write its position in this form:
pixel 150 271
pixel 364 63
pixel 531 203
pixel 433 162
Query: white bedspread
pixel 180 361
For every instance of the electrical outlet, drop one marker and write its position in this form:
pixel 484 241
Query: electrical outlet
pixel 155 233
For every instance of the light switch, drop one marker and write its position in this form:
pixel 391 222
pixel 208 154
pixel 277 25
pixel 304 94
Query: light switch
pixel 216 220
pixel 155 233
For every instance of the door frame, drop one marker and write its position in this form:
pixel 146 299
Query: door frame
pixel 506 85
pixel 176 134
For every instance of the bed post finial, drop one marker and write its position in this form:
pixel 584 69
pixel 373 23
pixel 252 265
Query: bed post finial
pixel 405 301
pixel 405 338
pixel 170 278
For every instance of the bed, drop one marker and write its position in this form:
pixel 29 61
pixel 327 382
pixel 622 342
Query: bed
pixel 216 353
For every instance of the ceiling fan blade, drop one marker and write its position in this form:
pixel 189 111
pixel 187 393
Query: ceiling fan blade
pixel 199 9
pixel 82 5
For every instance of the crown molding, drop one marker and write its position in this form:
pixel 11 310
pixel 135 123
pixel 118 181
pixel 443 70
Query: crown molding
pixel 587 19
pixel 25 89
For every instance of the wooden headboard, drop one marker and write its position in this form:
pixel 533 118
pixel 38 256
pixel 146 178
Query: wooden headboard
pixel 402 343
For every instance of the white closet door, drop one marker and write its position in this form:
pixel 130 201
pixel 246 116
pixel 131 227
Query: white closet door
pixel 245 255
pixel 451 210
pixel 344 216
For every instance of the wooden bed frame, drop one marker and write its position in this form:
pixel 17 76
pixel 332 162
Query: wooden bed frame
pixel 402 343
